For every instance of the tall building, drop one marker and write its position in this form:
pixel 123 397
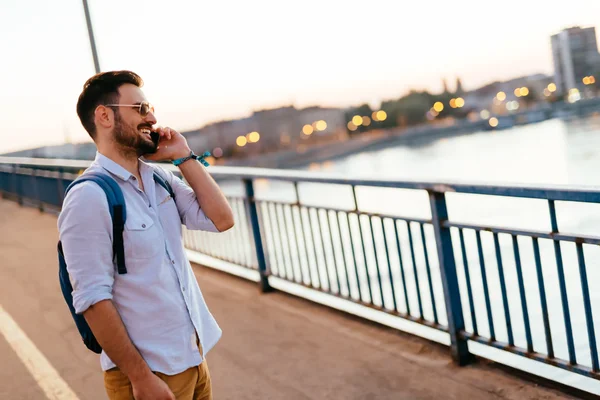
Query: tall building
pixel 575 54
pixel 459 87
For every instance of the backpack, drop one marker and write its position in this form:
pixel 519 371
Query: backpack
pixel 118 214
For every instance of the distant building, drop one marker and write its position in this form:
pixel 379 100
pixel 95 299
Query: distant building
pixel 277 128
pixel 575 55
pixel 488 97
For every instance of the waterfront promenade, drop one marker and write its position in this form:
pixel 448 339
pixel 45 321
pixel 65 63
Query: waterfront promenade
pixel 275 346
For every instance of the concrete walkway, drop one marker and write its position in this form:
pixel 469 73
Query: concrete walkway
pixel 274 346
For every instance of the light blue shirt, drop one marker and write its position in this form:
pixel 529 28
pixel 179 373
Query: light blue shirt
pixel 158 298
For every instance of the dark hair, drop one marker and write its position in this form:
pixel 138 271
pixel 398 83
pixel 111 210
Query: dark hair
pixel 102 88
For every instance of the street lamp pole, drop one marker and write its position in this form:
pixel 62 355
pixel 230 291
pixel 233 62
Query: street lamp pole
pixel 86 9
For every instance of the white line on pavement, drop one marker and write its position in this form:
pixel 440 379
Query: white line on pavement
pixel 42 371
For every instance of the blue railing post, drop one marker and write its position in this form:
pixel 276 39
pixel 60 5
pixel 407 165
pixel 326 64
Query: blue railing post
pixel 36 190
pixel 16 188
pixel 257 235
pixel 456 324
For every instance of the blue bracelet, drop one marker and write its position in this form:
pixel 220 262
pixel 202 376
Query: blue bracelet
pixel 194 156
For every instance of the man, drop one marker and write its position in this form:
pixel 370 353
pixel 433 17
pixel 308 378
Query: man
pixel 152 322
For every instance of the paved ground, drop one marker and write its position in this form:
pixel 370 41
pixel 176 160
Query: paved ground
pixel 274 346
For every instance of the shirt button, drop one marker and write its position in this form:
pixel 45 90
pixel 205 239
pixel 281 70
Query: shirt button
pixel 183 288
pixel 173 262
pixel 143 225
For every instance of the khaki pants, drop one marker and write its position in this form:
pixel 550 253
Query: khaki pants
pixel 192 384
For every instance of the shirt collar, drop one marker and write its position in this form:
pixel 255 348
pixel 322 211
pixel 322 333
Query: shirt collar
pixel 112 166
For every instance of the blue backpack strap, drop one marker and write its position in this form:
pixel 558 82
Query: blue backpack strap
pixel 117 209
pixel 164 183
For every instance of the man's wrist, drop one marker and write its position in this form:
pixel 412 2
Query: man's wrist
pixel 182 154
pixel 181 157
pixel 191 156
pixel 141 373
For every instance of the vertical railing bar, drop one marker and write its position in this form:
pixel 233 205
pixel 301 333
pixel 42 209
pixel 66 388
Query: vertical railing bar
pixel 219 247
pixel 333 252
pixel 459 347
pixel 296 241
pixel 185 237
pixel 522 294
pixel 36 190
pixel 335 256
pixel 468 279
pixel 507 318
pixel 389 263
pixel 286 233
pixel 344 264
pixel 225 247
pixel 428 271
pixel 310 280
pixel 249 249
pixel 198 245
pixel 362 242
pixel 486 290
pixel 314 248
pixel 257 235
pixel 414 263
pixel 589 318
pixel 299 206
pixel 562 284
pixel 278 249
pixel 354 256
pixel 544 304
pixel 375 256
pixel 320 221
pixel 202 240
pixel 233 232
pixel 242 207
pixel 209 245
pixel 205 243
pixel 396 234
pixel 16 184
pixel 193 241
pixel 60 186
pixel 266 218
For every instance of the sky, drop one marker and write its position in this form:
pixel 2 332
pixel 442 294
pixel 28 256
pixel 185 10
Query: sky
pixel 205 61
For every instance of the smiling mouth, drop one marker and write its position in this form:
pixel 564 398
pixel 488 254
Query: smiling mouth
pixel 146 131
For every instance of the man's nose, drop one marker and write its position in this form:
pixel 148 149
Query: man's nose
pixel 150 118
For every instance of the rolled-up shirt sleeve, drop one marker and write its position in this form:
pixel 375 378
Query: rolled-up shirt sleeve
pixel 85 230
pixel 189 209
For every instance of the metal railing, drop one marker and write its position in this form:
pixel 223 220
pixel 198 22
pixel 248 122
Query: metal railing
pixel 518 290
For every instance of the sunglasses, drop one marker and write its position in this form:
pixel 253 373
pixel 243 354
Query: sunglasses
pixel 144 108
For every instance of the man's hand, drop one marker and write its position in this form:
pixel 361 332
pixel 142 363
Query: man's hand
pixel 171 146
pixel 151 387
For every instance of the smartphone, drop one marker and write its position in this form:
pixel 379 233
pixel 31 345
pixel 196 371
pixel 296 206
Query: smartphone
pixel 155 137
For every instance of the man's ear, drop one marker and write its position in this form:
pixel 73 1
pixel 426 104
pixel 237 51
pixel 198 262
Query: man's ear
pixel 104 117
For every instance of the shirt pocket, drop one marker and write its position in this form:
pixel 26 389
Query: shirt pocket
pixel 169 215
pixel 142 239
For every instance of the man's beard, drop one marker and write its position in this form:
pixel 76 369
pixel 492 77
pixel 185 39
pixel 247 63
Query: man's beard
pixel 131 140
